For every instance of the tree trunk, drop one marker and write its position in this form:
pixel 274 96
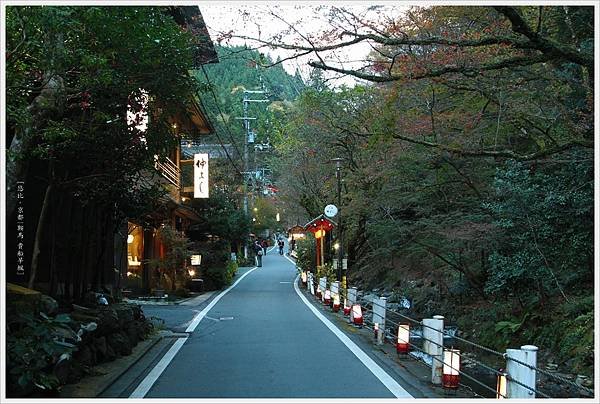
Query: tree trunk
pixel 49 102
pixel 39 233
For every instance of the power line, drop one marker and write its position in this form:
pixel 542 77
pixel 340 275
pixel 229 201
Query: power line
pixel 226 127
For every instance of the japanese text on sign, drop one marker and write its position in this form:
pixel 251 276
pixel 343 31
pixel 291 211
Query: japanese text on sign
pixel 201 175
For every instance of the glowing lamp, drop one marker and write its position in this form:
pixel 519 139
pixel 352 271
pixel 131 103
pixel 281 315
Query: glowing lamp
pixel 192 272
pixel 336 303
pixel 501 386
pixel 320 233
pixel 129 238
pixel 356 315
pixel 403 338
pixel 304 277
pixel 129 273
pixel 375 330
pixel 346 308
pixel 327 297
pixel 451 369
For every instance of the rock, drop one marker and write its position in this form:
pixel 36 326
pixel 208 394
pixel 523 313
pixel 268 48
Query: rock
pixel 23 300
pixel 580 380
pixel 119 343
pixel 136 309
pixel 100 347
pixel 108 320
pixel 86 356
pixel 62 369
pixel 111 355
pixel 124 313
pixel 48 305
pixel 133 334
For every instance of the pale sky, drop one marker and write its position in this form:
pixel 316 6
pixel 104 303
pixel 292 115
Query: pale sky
pixel 297 19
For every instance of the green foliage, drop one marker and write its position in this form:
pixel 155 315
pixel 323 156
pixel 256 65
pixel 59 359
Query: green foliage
pixel 32 350
pixel 220 277
pixel 534 213
pixel 70 84
pixel 306 249
pixel 171 267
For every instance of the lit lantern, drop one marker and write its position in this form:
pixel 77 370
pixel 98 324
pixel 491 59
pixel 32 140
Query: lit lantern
pixel 356 315
pixel 129 238
pixel 303 277
pixel 402 345
pixel 501 386
pixel 346 308
pixel 327 298
pixel 375 330
pixel 336 303
pixel 451 369
pixel 318 292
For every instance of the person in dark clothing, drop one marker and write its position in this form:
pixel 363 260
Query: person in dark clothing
pixel 258 250
pixel 280 244
pixel 264 246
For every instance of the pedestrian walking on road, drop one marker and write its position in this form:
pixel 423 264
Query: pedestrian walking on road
pixel 258 250
pixel 264 246
pixel 280 243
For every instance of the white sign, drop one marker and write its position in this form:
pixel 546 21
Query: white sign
pixel 201 175
pixel 196 259
pixel 331 210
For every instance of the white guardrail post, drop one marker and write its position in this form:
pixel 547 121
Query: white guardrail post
pixel 352 296
pixel 379 308
pixel 323 285
pixel 434 345
pixel 311 285
pixel 521 373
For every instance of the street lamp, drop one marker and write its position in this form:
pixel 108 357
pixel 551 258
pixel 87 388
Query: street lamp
pixel 338 173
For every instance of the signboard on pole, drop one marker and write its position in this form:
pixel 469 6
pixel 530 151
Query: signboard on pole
pixel 201 175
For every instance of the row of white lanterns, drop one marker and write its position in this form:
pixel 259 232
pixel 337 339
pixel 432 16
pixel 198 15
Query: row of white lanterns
pixel 451 357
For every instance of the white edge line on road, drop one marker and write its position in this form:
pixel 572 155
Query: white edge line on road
pixel 201 315
pixel 155 373
pixel 377 371
pixel 146 384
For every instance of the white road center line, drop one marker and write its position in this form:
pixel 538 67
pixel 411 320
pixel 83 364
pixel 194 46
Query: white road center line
pixel 144 387
pixel 377 371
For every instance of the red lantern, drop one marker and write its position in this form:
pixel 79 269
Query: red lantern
pixel 327 299
pixel 451 369
pixel 336 303
pixel 356 315
pixel 346 308
pixel 402 344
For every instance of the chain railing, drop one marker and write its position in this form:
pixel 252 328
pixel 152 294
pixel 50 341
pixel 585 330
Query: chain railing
pixel 388 337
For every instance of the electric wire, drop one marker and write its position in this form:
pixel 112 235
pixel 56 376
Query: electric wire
pixel 226 127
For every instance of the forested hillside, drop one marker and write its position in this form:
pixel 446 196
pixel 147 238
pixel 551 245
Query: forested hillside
pixel 241 69
pixel 468 179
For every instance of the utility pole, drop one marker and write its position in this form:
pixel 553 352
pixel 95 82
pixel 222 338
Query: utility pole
pixel 246 101
pixel 341 273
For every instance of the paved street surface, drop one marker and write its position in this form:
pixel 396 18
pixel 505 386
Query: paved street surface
pixel 259 340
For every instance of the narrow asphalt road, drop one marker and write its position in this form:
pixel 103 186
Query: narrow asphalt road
pixel 261 340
